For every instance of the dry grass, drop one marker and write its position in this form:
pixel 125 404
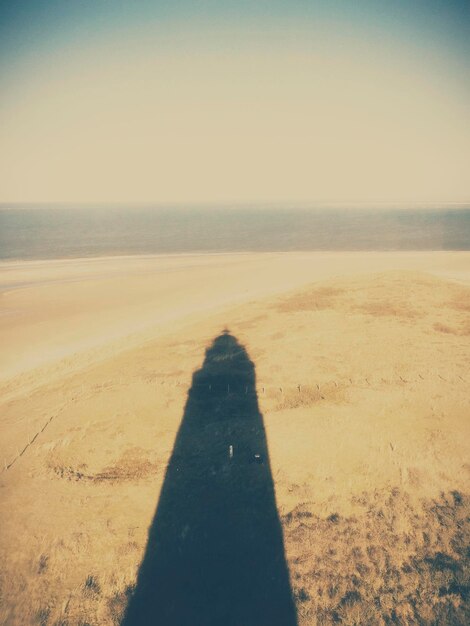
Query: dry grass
pixel 392 563
pixel 308 396
pixel 312 300
pixel 461 301
pixel 386 308
pixel 132 465
pixel 461 330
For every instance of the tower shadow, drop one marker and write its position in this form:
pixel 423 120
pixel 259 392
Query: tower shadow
pixel 215 552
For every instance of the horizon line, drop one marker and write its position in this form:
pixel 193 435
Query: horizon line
pixel 233 204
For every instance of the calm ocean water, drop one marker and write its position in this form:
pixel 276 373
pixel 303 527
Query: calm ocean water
pixel 39 232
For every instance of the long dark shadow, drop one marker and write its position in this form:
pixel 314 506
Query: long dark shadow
pixel 215 552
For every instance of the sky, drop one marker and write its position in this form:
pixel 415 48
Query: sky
pixel 254 101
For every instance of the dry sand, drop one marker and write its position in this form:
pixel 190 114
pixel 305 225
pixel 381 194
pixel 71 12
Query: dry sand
pixel 362 366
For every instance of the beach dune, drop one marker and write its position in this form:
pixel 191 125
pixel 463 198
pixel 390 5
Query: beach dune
pixel 360 373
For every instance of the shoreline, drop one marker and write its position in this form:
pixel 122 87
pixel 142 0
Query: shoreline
pixel 72 262
pixel 198 253
pixel 56 310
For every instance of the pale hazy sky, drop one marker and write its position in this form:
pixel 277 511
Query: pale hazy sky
pixel 225 101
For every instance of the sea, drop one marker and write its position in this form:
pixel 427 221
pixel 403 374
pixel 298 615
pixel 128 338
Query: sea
pixel 37 232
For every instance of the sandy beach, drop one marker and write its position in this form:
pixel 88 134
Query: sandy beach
pixel 361 367
pixel 51 310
